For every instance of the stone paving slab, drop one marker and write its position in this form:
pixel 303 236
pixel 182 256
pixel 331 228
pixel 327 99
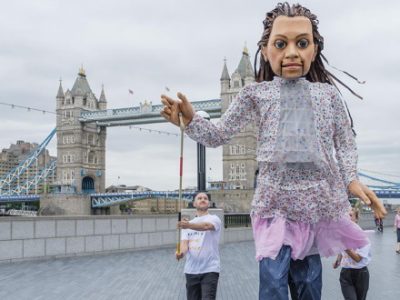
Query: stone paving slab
pixel 155 274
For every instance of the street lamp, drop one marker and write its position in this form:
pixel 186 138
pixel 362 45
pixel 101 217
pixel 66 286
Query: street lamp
pixel 201 159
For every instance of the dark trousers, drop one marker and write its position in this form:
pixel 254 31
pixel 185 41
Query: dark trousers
pixel 202 286
pixel 306 277
pixel 354 283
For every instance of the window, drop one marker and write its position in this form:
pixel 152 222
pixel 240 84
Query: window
pixel 68 158
pixel 92 159
pixel 68 139
pixel 237 149
pixel 91 139
pixel 68 176
pixel 232 149
pixel 68 114
pixel 242 149
pixel 237 171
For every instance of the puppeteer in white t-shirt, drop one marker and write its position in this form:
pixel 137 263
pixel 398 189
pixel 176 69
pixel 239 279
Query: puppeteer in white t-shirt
pixel 203 251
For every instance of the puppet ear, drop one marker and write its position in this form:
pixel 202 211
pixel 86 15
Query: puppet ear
pixel 264 52
pixel 315 52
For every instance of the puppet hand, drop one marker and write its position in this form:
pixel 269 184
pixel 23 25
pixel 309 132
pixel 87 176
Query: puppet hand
pixel 336 264
pixel 361 191
pixel 179 255
pixel 172 108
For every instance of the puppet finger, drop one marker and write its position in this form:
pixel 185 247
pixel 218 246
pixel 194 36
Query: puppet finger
pixel 167 100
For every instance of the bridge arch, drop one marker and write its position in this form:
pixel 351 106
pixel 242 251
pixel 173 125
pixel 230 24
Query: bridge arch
pixel 87 185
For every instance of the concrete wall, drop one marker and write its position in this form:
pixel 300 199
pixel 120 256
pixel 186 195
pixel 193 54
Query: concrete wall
pixel 61 236
pixel 52 237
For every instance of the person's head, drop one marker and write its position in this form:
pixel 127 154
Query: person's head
pixel 354 214
pixel 291 45
pixel 201 202
pixel 398 210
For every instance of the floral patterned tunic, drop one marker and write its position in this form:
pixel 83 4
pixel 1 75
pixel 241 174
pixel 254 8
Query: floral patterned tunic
pixel 303 195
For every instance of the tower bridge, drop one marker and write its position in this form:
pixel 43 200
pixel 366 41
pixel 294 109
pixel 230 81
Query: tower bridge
pixel 144 114
pixel 81 125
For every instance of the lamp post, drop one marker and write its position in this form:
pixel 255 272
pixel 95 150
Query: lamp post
pixel 201 160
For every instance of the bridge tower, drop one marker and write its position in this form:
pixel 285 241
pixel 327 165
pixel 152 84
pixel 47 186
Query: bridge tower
pixel 80 147
pixel 239 156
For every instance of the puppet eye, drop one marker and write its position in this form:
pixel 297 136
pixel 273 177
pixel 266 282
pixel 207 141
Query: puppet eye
pixel 303 43
pixel 279 44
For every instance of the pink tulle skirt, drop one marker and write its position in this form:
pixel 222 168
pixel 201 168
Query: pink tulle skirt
pixel 326 238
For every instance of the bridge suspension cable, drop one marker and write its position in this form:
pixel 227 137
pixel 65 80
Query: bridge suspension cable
pixel 381 173
pixel 391 183
pixel 29 108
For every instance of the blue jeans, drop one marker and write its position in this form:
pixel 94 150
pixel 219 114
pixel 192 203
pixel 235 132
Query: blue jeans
pixel 306 276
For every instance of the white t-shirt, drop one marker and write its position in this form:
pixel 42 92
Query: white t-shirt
pixel 203 254
pixel 348 263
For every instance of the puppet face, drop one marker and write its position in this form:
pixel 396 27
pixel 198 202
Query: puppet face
pixel 353 216
pixel 201 202
pixel 290 49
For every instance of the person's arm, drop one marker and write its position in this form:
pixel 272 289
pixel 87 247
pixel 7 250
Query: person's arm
pixel 204 226
pixel 354 255
pixel 336 264
pixel 184 249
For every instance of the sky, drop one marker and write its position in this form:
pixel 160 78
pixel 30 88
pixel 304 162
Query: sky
pixel 148 45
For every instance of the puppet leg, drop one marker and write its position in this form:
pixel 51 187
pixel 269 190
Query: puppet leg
pixel 307 277
pixel 274 276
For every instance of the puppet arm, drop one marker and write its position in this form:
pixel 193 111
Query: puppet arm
pixel 241 111
pixel 344 141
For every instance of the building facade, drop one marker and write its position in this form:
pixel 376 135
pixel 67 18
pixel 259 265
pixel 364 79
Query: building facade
pixel 80 147
pixel 239 156
pixel 11 157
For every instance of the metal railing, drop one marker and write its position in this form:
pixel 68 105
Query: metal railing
pixel 237 220
pixel 23 213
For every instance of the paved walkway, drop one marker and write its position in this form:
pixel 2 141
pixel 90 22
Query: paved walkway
pixel 155 274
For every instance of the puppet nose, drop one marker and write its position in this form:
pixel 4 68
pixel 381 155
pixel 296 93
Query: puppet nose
pixel 291 51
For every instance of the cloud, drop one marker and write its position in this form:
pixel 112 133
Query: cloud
pixel 145 46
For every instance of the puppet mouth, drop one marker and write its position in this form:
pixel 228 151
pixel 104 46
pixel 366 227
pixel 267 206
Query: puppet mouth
pixel 292 65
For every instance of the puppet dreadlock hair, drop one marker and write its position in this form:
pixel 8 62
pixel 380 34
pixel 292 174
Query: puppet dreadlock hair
pixel 318 72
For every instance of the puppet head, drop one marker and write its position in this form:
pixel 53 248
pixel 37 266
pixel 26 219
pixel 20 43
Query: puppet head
pixel 313 68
